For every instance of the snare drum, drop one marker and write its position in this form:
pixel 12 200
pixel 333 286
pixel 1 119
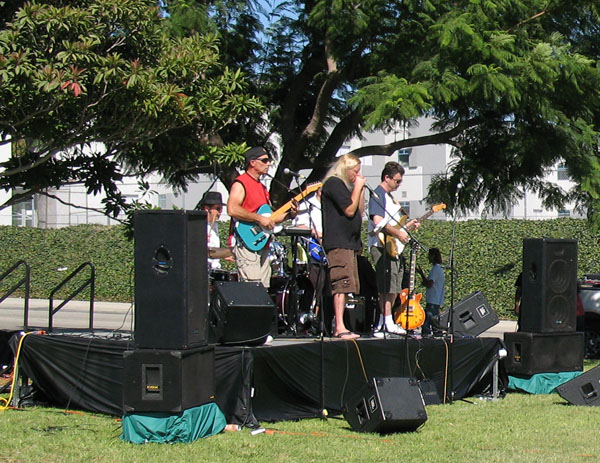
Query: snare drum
pixel 218 275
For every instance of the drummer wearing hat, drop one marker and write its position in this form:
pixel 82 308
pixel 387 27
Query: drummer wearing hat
pixel 212 203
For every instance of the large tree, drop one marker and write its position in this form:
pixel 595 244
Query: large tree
pixel 91 90
pixel 513 85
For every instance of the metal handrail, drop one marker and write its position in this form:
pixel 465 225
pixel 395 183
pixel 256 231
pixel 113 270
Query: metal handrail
pixel 91 282
pixel 26 280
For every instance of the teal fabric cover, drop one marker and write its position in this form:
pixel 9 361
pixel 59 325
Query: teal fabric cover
pixel 541 383
pixel 187 426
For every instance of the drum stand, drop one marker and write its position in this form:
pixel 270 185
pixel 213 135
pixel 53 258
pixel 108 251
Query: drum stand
pixel 292 315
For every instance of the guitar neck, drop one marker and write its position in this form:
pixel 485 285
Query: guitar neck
pixel 425 216
pixel 422 218
pixel 280 212
pixel 413 266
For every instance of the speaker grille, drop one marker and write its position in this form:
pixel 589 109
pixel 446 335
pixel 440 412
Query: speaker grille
pixel 171 279
pixel 386 405
pixel 531 353
pixel 241 313
pixel 549 285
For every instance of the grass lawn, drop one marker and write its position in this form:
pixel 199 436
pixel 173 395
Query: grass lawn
pixel 517 428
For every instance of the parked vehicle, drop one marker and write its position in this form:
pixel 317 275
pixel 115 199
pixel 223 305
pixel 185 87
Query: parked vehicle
pixel 589 291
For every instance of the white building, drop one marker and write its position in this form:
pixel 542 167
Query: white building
pixel 74 206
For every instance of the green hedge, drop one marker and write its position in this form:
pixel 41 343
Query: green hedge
pixel 53 254
pixel 487 256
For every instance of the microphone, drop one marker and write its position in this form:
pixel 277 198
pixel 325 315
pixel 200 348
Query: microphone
pixel 287 171
pixel 375 195
pixel 458 187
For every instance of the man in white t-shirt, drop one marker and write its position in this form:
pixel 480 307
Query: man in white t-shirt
pixel 385 210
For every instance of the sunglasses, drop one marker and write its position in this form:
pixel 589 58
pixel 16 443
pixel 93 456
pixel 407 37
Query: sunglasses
pixel 264 160
pixel 398 182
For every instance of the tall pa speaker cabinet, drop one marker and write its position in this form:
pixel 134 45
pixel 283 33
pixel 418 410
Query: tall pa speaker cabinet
pixel 171 279
pixel 386 405
pixel 549 292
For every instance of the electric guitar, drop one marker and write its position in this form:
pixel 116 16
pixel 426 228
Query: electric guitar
pixel 315 249
pixel 256 237
pixel 393 245
pixel 410 314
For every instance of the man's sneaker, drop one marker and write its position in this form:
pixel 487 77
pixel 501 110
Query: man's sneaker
pixel 379 332
pixel 395 329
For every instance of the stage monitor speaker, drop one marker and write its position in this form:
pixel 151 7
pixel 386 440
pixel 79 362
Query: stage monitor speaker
pixel 471 316
pixel 171 279
pixel 386 405
pixel 549 291
pixel 583 389
pixel 531 353
pixel 168 380
pixel 241 313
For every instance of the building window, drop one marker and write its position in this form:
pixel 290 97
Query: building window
pixel 564 213
pixel 22 213
pixel 403 155
pixel 405 205
pixel 562 172
pixel 162 201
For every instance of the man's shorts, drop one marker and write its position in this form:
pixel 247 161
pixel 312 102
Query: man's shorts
pixel 389 273
pixel 253 266
pixel 343 271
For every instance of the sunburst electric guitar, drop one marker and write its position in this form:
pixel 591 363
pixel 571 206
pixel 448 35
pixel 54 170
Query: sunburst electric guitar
pixel 393 245
pixel 410 315
pixel 256 237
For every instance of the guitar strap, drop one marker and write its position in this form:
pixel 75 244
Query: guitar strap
pixel 399 210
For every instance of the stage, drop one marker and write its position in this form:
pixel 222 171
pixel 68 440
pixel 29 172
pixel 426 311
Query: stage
pixel 287 380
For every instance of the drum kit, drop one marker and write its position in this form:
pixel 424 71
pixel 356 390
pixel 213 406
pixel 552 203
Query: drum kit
pixel 290 287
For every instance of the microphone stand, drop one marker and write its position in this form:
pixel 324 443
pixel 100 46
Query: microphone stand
pixel 293 283
pixel 320 301
pixel 414 244
pixel 450 325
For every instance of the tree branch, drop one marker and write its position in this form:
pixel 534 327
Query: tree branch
pixel 66 203
pixel 31 165
pixel 15 198
pixel 435 139
pixel 322 102
pixel 525 21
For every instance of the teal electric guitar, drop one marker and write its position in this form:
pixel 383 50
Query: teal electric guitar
pixel 256 237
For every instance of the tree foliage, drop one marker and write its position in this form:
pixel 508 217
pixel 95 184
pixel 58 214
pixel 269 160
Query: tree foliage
pixel 512 85
pixel 91 90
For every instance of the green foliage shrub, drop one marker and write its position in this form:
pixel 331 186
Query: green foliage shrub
pixel 487 256
pixel 54 253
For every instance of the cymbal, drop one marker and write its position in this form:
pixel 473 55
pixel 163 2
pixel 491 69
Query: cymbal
pixel 219 253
